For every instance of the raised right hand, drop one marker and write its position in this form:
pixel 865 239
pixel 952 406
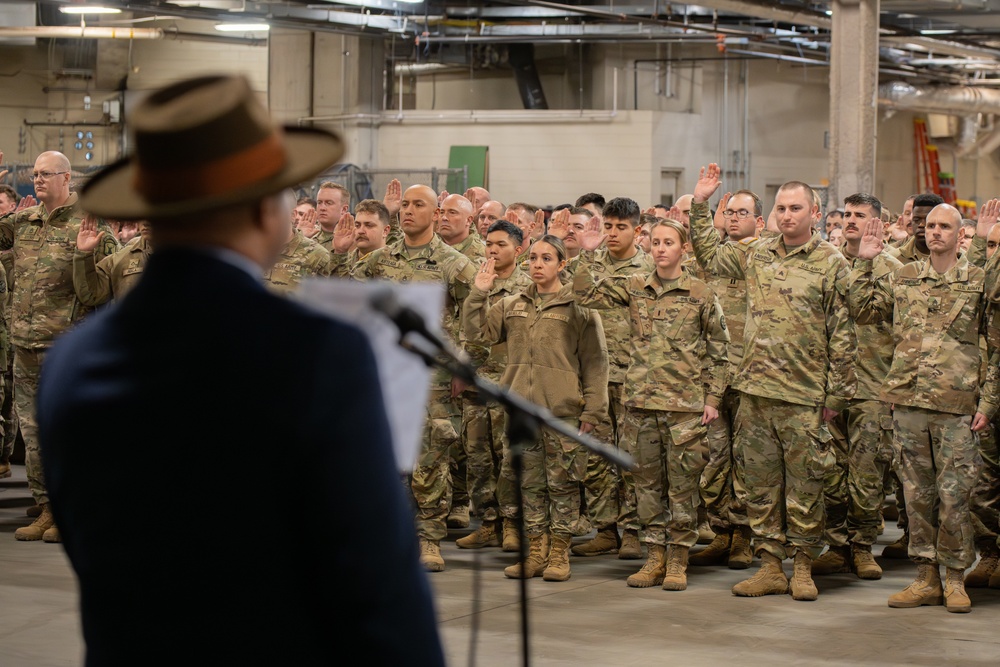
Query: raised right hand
pixel 592 236
pixel 559 223
pixel 988 214
pixel 343 234
pixel 88 237
pixel 393 196
pixel 486 275
pixel 709 180
pixel 871 242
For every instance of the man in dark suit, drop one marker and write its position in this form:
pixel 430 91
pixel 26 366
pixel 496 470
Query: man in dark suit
pixel 181 537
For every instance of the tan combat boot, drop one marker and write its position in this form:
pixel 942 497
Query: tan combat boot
pixel 836 560
pixel 5 469
pixel 740 552
pixel 458 518
pixel 768 580
pixel 538 558
pixel 801 582
pixel 484 536
pixel 675 578
pixel 581 526
pixel 898 549
pixel 630 548
pixel 605 542
pixel 558 567
pixel 652 571
pixel 52 535
pixel 430 556
pixel 715 553
pixel 705 533
pixel 956 600
pixel 987 565
pixel 511 538
pixel 37 528
pixel 863 562
pixel 925 589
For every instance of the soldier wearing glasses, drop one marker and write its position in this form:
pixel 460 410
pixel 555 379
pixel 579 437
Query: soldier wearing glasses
pixel 43 239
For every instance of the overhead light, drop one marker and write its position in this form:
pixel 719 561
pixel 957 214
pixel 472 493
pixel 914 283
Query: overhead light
pixel 88 9
pixel 242 27
pixel 938 32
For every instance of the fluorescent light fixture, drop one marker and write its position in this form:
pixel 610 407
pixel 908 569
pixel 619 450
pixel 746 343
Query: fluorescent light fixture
pixel 242 27
pixel 938 32
pixel 88 9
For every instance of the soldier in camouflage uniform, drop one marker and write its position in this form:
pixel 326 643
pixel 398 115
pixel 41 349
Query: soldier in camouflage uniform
pixel 796 375
pixel 422 256
pixel 673 386
pixel 333 201
pixel 357 236
pixel 938 308
pixel 610 495
pixel 557 358
pixel 454 226
pixel 113 277
pixel 45 305
pixel 8 414
pixel 855 488
pixel 491 478
pixel 740 218
pixel 301 258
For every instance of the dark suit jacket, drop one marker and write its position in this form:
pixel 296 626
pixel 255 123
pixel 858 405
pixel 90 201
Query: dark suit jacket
pixel 220 467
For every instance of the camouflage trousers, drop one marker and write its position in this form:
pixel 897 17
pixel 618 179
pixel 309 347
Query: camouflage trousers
pixel 430 482
pixel 723 473
pixel 854 489
pixel 554 466
pixel 670 449
pixel 8 411
pixel 985 501
pixel 609 492
pixel 787 452
pixel 459 457
pixel 493 494
pixel 27 365
pixel 939 462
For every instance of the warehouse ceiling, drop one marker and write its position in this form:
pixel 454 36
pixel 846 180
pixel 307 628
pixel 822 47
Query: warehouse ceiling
pixel 946 41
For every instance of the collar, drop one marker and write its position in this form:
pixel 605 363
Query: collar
pixel 959 273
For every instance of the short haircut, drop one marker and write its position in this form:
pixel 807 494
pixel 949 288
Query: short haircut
pixel 928 199
pixel 966 222
pixel 865 199
pixel 531 209
pixel 306 200
pixel 345 194
pixel 647 219
pixel 579 210
pixel 561 207
pixel 805 187
pixel 10 192
pixel 662 206
pixel 556 243
pixel 672 224
pixel 509 228
pixel 622 208
pixel 591 198
pixel 373 206
pixel 758 205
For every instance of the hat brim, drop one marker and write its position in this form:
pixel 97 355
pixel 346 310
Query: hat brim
pixel 111 193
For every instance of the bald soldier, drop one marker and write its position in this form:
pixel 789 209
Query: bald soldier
pixel 938 308
pixel 421 256
pixel 45 304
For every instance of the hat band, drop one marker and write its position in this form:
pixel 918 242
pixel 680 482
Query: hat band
pixel 215 177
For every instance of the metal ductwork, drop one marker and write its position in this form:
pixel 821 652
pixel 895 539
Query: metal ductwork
pixel 522 60
pixel 955 100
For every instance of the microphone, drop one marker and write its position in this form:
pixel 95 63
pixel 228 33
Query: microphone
pixel 385 301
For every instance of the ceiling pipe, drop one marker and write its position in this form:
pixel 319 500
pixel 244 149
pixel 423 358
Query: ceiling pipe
pixel 88 32
pixel 956 100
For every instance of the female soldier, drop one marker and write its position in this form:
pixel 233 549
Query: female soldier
pixel 673 386
pixel 557 358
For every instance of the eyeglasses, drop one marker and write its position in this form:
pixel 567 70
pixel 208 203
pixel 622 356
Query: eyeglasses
pixel 742 214
pixel 46 175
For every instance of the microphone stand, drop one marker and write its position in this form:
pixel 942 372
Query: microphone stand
pixel 524 422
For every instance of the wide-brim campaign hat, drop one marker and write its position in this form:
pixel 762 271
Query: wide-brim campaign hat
pixel 202 144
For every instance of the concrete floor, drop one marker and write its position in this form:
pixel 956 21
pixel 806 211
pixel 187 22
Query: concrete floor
pixel 593 619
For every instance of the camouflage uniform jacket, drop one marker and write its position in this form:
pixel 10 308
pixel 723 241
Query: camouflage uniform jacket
pixel 799 342
pixel 437 262
pixel 472 247
pixel 678 338
pixel 515 283
pixel 45 303
pixel 556 353
pixel 323 237
pixel 732 295
pixel 342 263
pixel 936 321
pixel 907 252
pixel 875 342
pixel 98 282
pixel 301 258
pixel 602 265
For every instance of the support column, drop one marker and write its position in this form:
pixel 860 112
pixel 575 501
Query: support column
pixel 290 74
pixel 853 102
